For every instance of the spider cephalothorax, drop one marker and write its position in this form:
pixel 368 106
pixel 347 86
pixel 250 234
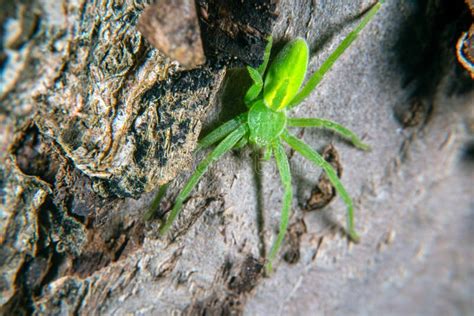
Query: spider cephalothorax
pixel 273 92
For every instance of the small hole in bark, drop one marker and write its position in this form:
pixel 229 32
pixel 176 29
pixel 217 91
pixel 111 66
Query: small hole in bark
pixel 32 157
pixel 413 113
pixel 323 192
pixel 293 241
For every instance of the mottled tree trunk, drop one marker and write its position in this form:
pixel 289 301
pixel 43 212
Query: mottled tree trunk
pixel 93 118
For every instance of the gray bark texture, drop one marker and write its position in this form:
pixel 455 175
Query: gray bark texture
pixel 93 118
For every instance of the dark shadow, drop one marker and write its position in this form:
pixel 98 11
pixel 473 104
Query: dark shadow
pixel 231 97
pixel 236 84
pixel 234 32
pixel 257 166
pixel 426 49
pixel 467 154
pixel 302 183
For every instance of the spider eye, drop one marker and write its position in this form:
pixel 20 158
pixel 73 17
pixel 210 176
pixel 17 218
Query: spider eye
pixel 286 74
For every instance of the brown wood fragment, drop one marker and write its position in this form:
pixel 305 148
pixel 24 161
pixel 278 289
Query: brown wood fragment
pixel 172 27
pixel 292 249
pixel 324 192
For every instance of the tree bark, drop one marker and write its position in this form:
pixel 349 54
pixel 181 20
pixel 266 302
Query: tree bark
pixel 93 118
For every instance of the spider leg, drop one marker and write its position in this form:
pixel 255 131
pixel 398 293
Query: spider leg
pixel 210 139
pixel 267 153
pixel 335 127
pixel 255 88
pixel 221 132
pixel 241 143
pixel 285 175
pixel 266 57
pixel 307 152
pixel 319 74
pixel 224 146
pixel 156 202
pixel 257 75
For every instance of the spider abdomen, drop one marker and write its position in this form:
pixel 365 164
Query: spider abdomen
pixel 265 124
pixel 286 74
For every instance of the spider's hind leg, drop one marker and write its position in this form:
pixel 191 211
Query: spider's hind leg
pixel 307 152
pixel 267 153
pixel 285 175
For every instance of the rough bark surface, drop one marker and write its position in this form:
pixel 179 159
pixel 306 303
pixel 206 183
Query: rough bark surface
pixel 92 118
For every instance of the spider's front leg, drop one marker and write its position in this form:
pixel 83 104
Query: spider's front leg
pixel 307 152
pixel 328 63
pixel 221 132
pixel 213 137
pixel 224 146
pixel 257 75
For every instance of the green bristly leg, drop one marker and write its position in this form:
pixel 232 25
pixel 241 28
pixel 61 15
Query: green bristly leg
pixel 257 76
pixel 285 175
pixel 241 143
pixel 221 132
pixel 223 147
pixel 319 74
pixel 267 153
pixel 156 202
pixel 335 127
pixel 307 152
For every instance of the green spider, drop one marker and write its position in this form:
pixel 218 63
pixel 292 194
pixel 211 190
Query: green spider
pixel 265 124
